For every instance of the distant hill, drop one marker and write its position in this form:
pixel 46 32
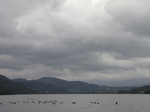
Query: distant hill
pixel 138 90
pixel 20 80
pixel 48 85
pixel 7 86
pixel 52 85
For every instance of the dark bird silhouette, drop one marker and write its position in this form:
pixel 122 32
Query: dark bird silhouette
pixel 73 102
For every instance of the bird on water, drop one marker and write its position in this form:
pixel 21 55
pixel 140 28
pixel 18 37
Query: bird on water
pixel 116 103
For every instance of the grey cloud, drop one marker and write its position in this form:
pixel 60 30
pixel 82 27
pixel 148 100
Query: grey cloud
pixel 7 29
pixel 15 8
pixel 103 40
pixel 54 5
pixel 9 62
pixel 132 15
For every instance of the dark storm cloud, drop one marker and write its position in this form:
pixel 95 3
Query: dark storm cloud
pixel 76 40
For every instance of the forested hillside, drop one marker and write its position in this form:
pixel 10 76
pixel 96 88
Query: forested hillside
pixel 7 86
pixel 138 90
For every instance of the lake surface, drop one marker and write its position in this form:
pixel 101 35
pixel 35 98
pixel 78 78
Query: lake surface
pixel 75 103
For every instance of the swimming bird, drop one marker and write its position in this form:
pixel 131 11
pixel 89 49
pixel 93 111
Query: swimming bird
pixel 116 103
pixel 73 102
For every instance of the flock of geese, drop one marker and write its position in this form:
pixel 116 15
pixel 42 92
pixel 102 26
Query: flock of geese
pixel 53 102
pixel 39 102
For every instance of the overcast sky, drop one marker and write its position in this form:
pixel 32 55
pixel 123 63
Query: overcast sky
pixel 105 42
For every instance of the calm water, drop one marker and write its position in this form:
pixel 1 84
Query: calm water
pixel 75 103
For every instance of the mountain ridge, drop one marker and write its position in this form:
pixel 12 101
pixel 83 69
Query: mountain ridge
pixel 70 87
pixel 53 85
pixel 8 86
